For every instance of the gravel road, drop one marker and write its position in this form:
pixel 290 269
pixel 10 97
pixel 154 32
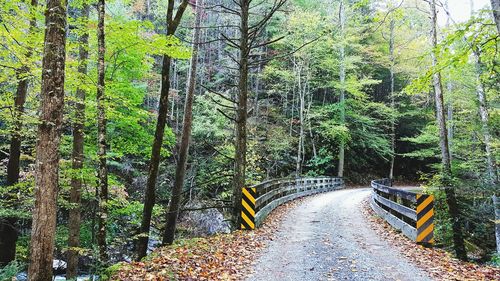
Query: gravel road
pixel 327 237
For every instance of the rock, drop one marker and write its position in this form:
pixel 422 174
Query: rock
pixel 78 278
pixel 204 222
pixel 23 276
pixel 153 242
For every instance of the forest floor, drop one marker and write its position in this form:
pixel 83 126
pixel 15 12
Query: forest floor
pixel 329 236
pixel 218 257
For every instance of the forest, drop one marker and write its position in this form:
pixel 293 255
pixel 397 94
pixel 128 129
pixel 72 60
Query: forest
pixel 126 125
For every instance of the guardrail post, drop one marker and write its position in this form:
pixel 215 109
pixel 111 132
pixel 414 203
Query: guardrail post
pixel 425 218
pixel 248 208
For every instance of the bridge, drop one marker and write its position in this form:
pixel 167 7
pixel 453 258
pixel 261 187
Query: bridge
pixel 330 232
pixel 410 212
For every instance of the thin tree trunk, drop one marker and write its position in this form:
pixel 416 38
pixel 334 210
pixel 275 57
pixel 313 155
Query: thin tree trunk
pixel 311 135
pixel 300 147
pixel 172 106
pixel 8 228
pixel 292 102
pixel 451 200
pixel 483 113
pixel 492 176
pixel 47 149
pixel 240 160
pixel 150 192
pixel 102 172
pixel 180 172
pixel 393 103
pixel 496 206
pixel 15 142
pixel 449 88
pixel 438 91
pixel 495 5
pixel 342 88
pixel 449 114
pixel 74 219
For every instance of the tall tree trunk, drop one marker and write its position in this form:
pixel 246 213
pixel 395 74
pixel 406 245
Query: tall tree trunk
pixel 483 108
pixel 292 111
pixel 451 200
pixel 393 103
pixel 342 87
pixel 449 115
pixel 483 113
pixel 180 172
pixel 150 191
pixel 47 149
pixel 495 5
pixel 449 88
pixel 311 135
pixel 102 173
pixel 74 219
pixel 240 160
pixel 8 228
pixel 300 146
pixel 496 206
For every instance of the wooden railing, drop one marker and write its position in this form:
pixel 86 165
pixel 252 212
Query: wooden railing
pixel 411 213
pixel 261 199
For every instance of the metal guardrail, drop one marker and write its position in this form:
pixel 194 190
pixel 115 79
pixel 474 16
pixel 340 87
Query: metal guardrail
pixel 261 199
pixel 411 213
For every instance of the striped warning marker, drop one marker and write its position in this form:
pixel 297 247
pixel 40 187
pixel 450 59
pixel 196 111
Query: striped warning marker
pixel 425 218
pixel 248 208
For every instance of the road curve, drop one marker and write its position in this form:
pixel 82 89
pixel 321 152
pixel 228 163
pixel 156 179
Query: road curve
pixel 327 237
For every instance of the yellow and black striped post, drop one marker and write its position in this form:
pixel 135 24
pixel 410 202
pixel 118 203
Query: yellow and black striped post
pixel 425 218
pixel 248 208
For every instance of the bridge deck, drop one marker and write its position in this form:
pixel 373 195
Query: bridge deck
pixel 327 238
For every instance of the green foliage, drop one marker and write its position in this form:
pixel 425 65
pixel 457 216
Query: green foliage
pixel 428 141
pixel 22 248
pixel 108 273
pixel 17 200
pixel 9 272
pixel 495 260
pixel 319 164
pixel 443 232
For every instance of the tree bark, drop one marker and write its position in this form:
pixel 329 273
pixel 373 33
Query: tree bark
pixel 495 5
pixel 492 175
pixel 438 91
pixel 496 206
pixel 47 148
pixel 150 192
pixel 102 172
pixel 180 173
pixel 311 135
pixel 449 88
pixel 300 146
pixel 484 115
pixel 8 228
pixel 342 87
pixel 240 160
pixel 74 219
pixel 451 200
pixel 393 103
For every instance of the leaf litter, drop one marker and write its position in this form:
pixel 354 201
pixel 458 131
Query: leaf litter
pixel 439 264
pixel 219 257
